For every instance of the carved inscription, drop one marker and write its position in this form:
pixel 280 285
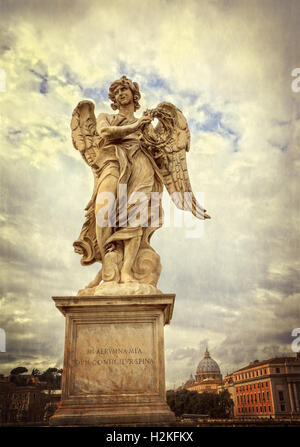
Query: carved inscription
pixel 114 357
pixel 113 352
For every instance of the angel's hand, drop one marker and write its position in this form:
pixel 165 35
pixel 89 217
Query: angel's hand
pixel 144 121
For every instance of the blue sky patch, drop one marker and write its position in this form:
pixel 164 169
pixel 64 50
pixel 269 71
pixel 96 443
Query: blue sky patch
pixel 124 70
pixel 213 123
pixel 97 94
pixel 154 81
pixel 43 87
pixel 14 136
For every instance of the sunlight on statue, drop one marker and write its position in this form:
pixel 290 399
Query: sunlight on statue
pixel 131 162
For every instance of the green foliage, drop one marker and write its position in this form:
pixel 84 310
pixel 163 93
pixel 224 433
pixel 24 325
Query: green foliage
pixel 214 405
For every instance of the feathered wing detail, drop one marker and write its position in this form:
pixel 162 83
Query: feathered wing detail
pixel 86 140
pixel 173 139
pixel 84 134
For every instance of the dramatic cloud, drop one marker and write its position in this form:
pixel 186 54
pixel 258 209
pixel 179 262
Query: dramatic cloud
pixel 227 65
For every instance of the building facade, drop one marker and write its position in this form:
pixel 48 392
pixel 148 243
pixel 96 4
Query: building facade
pixel 270 388
pixel 262 389
pixel 228 384
pixel 26 400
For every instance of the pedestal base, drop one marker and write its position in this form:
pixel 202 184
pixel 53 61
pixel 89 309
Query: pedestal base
pixel 114 360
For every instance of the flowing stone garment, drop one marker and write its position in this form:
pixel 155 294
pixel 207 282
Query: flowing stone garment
pixel 143 162
pixel 130 163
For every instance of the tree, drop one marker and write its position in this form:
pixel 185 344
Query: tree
pixel 18 370
pixel 191 402
pixel 35 372
pixel 51 370
pixel 53 377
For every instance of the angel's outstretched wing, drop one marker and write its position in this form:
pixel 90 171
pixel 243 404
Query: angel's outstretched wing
pixel 169 147
pixel 84 134
pixel 86 140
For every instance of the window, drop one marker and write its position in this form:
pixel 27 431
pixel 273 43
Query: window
pixel 256 409
pixel 268 396
pixel 269 408
pixel 254 385
pixel 262 384
pixel 281 397
pixel 278 370
pixel 237 398
pixel 265 371
pixel 282 407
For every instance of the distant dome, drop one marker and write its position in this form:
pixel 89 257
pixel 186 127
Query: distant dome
pixel 208 368
pixel 207 365
pixel 190 382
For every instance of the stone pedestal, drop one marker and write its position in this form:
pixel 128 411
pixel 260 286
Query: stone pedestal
pixel 114 369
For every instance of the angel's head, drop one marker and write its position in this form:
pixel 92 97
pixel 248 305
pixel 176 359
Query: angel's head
pixel 128 84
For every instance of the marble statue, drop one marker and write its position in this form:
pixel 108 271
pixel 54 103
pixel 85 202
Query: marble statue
pixel 131 162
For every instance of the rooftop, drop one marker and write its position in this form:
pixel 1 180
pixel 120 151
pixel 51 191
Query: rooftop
pixel 274 360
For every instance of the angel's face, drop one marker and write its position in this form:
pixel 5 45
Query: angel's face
pixel 123 95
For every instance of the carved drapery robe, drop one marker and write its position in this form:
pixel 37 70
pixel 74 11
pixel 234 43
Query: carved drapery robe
pixel 131 165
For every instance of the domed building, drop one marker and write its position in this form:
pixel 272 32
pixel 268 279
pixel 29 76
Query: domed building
pixel 208 376
pixel 208 369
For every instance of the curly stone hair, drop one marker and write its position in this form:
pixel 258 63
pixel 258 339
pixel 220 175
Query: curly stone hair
pixel 133 86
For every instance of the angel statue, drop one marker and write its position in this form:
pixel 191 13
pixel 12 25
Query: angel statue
pixel 131 162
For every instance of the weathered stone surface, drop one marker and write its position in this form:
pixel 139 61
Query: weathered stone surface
pixel 114 360
pixel 113 288
pixel 131 162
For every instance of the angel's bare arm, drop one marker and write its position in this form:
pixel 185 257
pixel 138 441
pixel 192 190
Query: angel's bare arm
pixel 119 132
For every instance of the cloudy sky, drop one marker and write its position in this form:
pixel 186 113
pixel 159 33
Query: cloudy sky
pixel 227 65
